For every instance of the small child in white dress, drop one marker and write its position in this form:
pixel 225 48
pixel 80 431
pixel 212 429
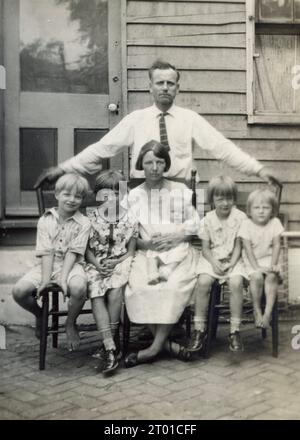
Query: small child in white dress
pixel 175 208
pixel 220 260
pixel 261 241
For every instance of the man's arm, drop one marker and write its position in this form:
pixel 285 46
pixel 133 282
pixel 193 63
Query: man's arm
pixel 89 160
pixel 208 138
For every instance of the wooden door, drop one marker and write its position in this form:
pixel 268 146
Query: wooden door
pixel 63 64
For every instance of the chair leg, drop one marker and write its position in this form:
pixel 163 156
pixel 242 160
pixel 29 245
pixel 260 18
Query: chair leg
pixel 214 295
pixel 275 341
pixel 55 318
pixel 44 330
pixel 215 317
pixel 188 313
pixel 126 330
pixel 263 333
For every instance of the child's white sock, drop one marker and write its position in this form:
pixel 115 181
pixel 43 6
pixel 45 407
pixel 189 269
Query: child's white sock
pixel 235 324
pixel 200 323
pixel 107 338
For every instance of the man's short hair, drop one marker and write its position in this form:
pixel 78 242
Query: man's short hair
pixel 158 150
pixel 162 65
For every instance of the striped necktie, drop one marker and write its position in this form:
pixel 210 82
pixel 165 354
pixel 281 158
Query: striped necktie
pixel 163 131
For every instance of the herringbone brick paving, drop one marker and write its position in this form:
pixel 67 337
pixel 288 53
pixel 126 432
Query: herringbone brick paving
pixel 251 385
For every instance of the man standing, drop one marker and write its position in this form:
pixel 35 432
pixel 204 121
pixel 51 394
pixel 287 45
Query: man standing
pixel 177 128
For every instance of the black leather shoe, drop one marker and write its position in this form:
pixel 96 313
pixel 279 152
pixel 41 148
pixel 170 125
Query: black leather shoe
pixel 110 363
pixel 197 341
pixel 235 342
pixel 131 360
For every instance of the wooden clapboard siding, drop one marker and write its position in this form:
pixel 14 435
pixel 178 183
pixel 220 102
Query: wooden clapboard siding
pixel 185 12
pixel 206 40
pixel 231 35
pixel 195 81
pixel 199 102
pixel 200 58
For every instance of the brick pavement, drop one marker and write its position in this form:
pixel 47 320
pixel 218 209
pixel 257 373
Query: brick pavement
pixel 251 385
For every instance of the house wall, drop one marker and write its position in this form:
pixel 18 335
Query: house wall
pixel 206 40
pixel 1 117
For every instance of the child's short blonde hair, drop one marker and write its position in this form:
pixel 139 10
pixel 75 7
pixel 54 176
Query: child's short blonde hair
pixel 221 186
pixel 70 181
pixel 267 196
pixel 109 179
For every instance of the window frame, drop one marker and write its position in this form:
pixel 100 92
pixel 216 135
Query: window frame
pixel 256 117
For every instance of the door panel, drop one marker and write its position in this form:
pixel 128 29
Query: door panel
pixel 63 61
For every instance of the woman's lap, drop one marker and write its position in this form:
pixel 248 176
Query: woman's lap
pixel 162 303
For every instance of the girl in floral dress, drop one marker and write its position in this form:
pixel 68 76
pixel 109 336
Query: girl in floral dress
pixel 109 254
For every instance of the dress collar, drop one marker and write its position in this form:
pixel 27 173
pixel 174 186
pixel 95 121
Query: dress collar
pixel 217 223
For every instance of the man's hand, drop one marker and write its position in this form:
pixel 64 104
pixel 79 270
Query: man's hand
pixel 48 175
pixel 266 174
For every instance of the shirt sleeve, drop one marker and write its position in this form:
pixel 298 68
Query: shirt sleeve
pixel 203 230
pixel 89 160
pixel 44 245
pixel 79 242
pixel 244 230
pixel 278 229
pixel 208 138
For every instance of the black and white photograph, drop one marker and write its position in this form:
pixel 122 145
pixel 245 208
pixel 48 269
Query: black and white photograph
pixel 149 212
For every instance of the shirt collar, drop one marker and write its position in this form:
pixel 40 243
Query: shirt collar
pixel 171 110
pixel 217 224
pixel 77 217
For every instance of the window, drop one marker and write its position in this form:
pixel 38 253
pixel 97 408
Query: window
pixel 273 61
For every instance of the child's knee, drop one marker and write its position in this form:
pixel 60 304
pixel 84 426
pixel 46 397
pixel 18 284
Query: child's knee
pixel 257 278
pixel 21 291
pixel 272 278
pixel 204 283
pixel 78 287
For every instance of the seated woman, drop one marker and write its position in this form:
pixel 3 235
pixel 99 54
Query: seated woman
pixel 160 304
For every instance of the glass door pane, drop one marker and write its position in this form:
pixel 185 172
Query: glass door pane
pixel 63 46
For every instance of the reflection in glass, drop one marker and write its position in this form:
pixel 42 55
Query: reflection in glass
pixel 271 10
pixel 63 46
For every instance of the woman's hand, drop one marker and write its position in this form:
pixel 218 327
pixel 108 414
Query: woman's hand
pixel 162 243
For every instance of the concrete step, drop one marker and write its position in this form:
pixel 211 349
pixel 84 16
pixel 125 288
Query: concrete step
pixel 15 262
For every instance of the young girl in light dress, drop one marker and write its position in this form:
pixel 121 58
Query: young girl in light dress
pixel 220 260
pixel 261 241
pixel 109 254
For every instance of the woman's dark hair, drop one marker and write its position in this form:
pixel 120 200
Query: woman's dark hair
pixel 109 179
pixel 158 150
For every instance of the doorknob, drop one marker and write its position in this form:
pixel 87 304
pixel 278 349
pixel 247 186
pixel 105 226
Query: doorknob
pixel 112 107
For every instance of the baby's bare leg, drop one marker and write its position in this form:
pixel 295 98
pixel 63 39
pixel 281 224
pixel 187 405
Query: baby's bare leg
pixel 152 270
pixel 77 287
pixel 256 289
pixel 271 287
pixel 165 270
